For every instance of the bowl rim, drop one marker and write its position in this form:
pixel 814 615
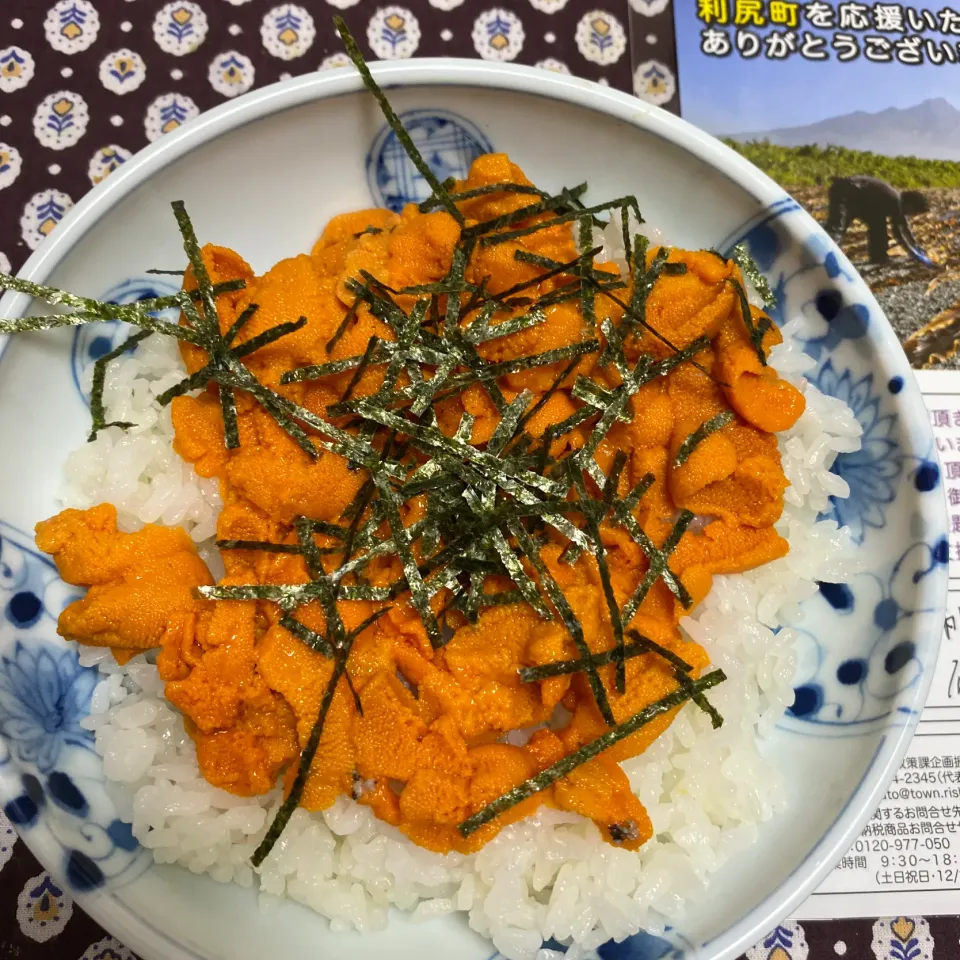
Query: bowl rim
pixel 139 933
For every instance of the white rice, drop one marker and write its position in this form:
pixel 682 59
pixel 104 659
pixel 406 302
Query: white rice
pixel 138 471
pixel 552 875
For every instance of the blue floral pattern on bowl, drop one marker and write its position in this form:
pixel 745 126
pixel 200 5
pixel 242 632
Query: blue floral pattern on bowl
pixel 841 689
pixel 837 687
pixel 44 694
pixel 448 142
pixel 872 471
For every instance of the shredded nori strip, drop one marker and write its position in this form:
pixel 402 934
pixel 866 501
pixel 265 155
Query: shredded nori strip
pixel 587 752
pixel 353 52
pixel 622 512
pixel 638 316
pixel 569 618
pixel 206 322
pixel 546 205
pixel 749 268
pixel 563 667
pixel 94 311
pixel 433 202
pixel 97 410
pixel 358 703
pixel 715 423
pixel 587 292
pixel 268 336
pixel 545 396
pixel 639 646
pixel 600 555
pixel 259 545
pixel 401 540
pixel 292 800
pixel 310 638
pixel 360 368
pixel 344 324
pixel 575 214
pixel 682 669
pixel 652 646
pixel 686 353
pixel 609 496
pixel 658 564
pixel 755 330
pixel 240 323
pixel 211 371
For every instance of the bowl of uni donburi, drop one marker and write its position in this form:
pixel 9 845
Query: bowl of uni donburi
pixel 527 524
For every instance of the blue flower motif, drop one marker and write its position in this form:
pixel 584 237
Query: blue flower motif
pixel 44 694
pixel 873 470
pixel 839 321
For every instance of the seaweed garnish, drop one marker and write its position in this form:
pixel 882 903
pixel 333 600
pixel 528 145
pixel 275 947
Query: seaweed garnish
pixel 755 330
pixel 561 203
pixel 242 319
pixel 638 646
pixel 353 52
pixel 200 329
pixel 588 751
pixel 659 567
pixel 97 410
pixel 292 800
pixel 634 314
pixel 492 239
pixel 748 266
pixel 708 427
pixel 569 618
pixel 431 203
pixel 592 513
pixel 264 545
pixel 561 668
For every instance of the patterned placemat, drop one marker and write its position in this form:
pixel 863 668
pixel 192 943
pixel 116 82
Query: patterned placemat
pixel 84 84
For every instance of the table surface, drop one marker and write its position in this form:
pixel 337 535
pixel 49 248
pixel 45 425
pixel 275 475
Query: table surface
pixel 113 68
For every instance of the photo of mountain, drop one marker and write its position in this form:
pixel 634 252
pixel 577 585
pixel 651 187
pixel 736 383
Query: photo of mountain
pixel 929 130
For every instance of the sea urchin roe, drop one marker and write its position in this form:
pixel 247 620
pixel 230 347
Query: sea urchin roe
pixel 428 716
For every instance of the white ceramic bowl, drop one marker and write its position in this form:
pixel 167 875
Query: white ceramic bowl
pixel 263 174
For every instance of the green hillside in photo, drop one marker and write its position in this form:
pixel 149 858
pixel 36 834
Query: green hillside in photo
pixel 811 166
